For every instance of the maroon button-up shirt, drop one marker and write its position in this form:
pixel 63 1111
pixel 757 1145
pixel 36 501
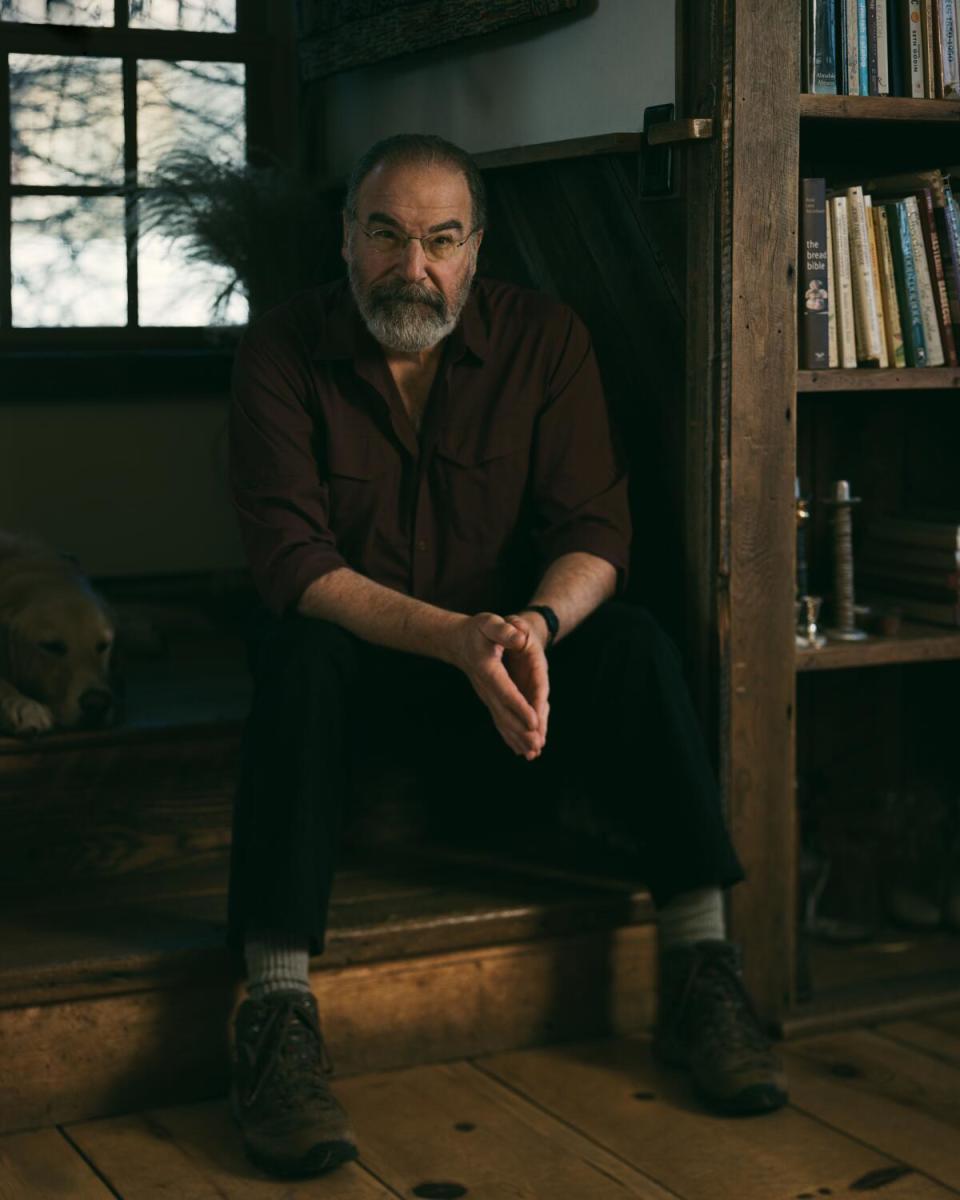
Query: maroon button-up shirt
pixel 515 463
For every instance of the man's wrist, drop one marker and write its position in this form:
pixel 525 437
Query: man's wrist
pixel 546 628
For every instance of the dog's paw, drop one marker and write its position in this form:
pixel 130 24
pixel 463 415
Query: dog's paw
pixel 23 717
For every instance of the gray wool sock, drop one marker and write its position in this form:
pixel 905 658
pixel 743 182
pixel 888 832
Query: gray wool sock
pixel 695 916
pixel 276 962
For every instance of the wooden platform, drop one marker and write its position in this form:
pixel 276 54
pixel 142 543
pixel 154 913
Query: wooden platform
pixel 871 1110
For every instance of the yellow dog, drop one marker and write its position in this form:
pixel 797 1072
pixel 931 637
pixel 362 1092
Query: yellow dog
pixel 56 640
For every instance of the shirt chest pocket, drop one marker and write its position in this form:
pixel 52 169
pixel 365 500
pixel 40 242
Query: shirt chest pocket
pixel 356 479
pixel 481 486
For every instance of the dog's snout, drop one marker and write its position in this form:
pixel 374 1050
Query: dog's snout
pixel 95 702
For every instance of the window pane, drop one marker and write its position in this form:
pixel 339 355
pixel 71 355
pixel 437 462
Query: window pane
pixel 204 16
pixel 69 261
pixel 174 291
pixel 189 105
pixel 58 12
pixel 66 120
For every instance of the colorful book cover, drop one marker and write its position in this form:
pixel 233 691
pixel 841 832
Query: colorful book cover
pixel 863 49
pixel 814 297
pixel 846 335
pixel 892 326
pixel 947 16
pixel 908 298
pixel 925 286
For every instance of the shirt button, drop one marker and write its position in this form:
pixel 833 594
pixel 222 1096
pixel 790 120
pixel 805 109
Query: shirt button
pixel 421 544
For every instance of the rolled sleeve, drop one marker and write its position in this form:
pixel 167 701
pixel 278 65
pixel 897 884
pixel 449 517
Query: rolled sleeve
pixel 278 495
pixel 580 483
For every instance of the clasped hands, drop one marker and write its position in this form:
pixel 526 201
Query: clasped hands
pixel 505 661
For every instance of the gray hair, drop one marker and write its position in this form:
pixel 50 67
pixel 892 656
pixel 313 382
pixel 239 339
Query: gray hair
pixel 419 149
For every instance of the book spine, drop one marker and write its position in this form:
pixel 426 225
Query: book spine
pixel 833 345
pixel 895 48
pixel 866 317
pixel 914 577
pixel 863 48
pixel 853 47
pixel 949 54
pixel 888 287
pixel 908 298
pixel 844 288
pixel 927 38
pixel 878 290
pixel 883 50
pixel 949 227
pixel 873 74
pixel 931 242
pixel 843 87
pixel 814 300
pixel 823 27
pixel 928 304
pixel 913 48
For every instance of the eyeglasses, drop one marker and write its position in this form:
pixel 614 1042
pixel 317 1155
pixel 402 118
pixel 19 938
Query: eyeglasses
pixel 438 247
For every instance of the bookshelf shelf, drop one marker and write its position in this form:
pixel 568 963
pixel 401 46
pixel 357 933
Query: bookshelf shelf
pixel 878 108
pixel 867 379
pixel 914 643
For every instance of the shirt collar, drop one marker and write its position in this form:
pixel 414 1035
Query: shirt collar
pixel 343 334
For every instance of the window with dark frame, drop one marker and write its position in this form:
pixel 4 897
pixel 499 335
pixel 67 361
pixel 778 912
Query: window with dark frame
pixel 99 92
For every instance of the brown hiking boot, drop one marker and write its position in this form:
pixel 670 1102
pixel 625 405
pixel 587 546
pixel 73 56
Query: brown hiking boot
pixel 291 1123
pixel 707 1023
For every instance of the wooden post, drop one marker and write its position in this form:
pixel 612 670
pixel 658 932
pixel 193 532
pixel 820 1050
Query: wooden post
pixel 759 620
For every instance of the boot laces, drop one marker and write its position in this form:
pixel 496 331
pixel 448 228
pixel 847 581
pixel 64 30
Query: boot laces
pixel 715 1004
pixel 290 1056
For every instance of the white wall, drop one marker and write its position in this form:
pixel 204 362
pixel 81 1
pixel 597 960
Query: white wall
pixel 131 488
pixel 595 74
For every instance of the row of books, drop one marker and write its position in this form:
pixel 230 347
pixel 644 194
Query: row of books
pixel 880 272
pixel 882 48
pixel 913 565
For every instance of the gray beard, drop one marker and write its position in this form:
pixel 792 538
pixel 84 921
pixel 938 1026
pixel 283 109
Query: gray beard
pixel 407 317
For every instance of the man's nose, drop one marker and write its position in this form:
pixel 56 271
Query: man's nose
pixel 413 261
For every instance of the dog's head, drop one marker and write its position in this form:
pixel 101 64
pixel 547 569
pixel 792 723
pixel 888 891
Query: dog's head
pixel 56 647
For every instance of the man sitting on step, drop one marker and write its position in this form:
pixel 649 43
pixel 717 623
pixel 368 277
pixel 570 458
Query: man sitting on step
pixel 434 508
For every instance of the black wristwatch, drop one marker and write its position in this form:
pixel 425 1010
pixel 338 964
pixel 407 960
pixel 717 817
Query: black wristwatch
pixel 548 615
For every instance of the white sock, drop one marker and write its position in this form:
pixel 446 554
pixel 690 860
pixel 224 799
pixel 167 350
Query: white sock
pixel 276 962
pixel 692 917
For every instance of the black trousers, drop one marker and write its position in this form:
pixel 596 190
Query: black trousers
pixel 621 724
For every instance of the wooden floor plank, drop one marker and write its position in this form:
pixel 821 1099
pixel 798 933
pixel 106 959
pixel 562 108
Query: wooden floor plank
pixel 890 1096
pixel 41 1164
pixel 453 1124
pixel 923 1035
pixel 613 1092
pixel 194 1152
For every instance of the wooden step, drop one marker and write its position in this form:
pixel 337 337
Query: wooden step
pixel 120 994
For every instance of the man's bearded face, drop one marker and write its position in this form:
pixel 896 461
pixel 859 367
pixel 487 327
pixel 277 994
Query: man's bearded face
pixel 408 301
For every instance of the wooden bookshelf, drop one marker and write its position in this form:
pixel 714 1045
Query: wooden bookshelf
pixel 878 108
pixel 914 643
pixel 872 379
